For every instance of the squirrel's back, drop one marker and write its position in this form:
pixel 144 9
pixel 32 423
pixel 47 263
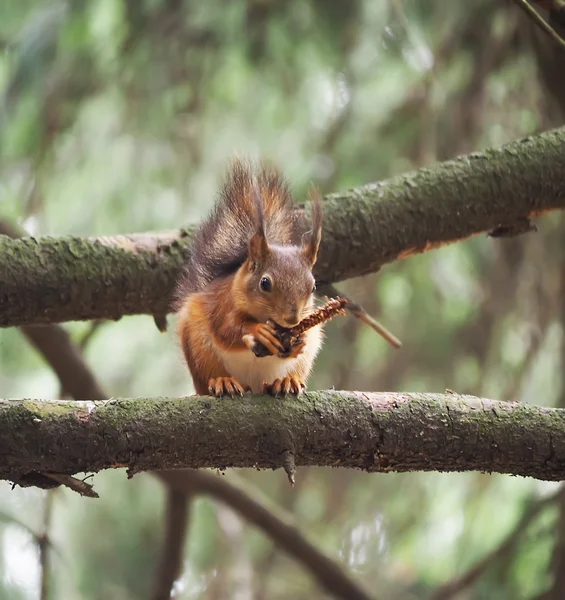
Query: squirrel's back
pixel 221 243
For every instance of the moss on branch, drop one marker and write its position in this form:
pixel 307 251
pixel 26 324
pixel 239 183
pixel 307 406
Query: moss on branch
pixel 369 431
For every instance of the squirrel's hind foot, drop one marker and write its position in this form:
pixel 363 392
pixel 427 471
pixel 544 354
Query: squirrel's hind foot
pixel 287 385
pixel 226 386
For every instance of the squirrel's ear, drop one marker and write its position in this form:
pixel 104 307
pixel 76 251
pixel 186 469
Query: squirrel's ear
pixel 258 249
pixel 311 248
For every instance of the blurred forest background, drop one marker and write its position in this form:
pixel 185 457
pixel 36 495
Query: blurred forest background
pixel 119 116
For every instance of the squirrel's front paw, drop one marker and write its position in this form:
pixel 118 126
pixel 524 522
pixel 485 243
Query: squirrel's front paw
pixel 291 384
pixel 265 334
pixel 225 386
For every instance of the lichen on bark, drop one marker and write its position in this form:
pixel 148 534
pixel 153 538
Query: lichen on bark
pixel 376 432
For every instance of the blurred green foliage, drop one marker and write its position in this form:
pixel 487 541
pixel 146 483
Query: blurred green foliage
pixel 119 116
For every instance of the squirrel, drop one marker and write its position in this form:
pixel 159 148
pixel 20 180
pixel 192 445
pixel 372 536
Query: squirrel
pixel 250 270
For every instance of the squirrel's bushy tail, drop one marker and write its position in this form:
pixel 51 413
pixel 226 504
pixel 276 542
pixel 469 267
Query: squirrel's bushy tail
pixel 220 244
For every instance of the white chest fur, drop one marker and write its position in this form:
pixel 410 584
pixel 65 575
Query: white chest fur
pixel 253 371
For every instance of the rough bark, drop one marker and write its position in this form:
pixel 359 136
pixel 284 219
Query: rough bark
pixel 58 279
pixel 49 280
pixel 369 431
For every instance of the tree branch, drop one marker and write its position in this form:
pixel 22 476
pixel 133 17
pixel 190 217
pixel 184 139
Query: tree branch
pixel 369 431
pixel 177 516
pixel 499 190
pixel 540 22
pixel 274 523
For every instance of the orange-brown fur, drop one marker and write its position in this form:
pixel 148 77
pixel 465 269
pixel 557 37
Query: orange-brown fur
pixel 252 235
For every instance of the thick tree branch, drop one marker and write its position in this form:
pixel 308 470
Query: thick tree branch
pixel 369 431
pixel 49 280
pixel 273 522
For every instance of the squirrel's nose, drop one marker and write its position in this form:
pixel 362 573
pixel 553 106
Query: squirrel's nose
pixel 292 318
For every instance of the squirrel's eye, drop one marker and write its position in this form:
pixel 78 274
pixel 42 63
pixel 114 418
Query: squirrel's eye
pixel 265 284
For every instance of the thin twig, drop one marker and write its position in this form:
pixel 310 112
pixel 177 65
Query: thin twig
pixel 177 519
pixel 358 311
pixel 534 15
pixel 77 485
pixel 275 523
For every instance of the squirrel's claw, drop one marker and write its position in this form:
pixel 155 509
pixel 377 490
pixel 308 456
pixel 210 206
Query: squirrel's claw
pixel 287 385
pixel 225 386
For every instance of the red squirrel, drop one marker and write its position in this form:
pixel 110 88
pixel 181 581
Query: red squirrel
pixel 250 268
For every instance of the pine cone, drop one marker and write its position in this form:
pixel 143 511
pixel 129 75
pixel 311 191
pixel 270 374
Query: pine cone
pixel 291 337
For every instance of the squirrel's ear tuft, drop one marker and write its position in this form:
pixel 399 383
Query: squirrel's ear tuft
pixel 258 245
pixel 311 248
